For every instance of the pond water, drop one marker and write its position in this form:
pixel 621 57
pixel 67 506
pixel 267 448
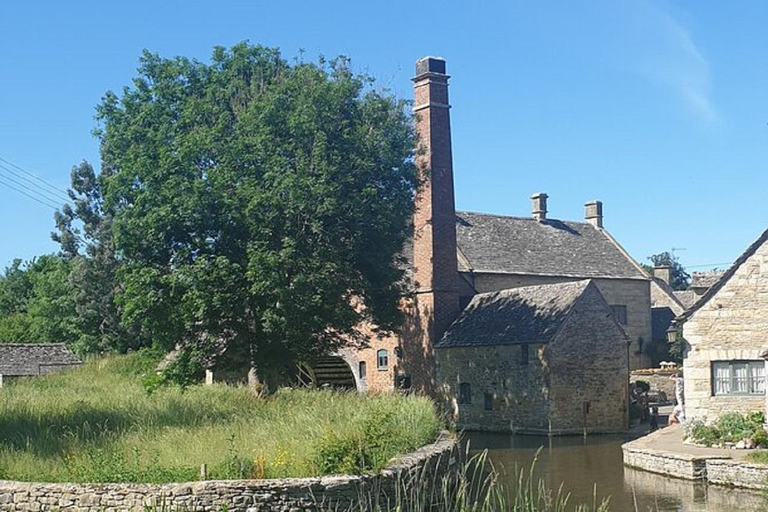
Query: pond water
pixel 580 464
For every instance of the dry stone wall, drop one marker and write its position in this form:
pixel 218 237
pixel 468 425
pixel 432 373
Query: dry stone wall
pixel 338 493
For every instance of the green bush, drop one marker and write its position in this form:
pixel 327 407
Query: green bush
pixel 731 427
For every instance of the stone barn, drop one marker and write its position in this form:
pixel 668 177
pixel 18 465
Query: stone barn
pixel 34 359
pixel 540 359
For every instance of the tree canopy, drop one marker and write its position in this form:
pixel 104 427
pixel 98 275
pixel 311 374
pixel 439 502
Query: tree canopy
pixel 679 278
pixel 251 200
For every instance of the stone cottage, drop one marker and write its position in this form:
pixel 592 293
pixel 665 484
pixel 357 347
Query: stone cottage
pixel 724 336
pixel 34 359
pixel 548 358
pixel 455 256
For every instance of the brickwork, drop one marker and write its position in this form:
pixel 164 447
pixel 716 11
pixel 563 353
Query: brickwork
pixel 633 293
pixel 434 244
pixel 731 326
pixel 586 363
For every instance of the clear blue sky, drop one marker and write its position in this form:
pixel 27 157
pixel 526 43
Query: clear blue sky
pixel 659 109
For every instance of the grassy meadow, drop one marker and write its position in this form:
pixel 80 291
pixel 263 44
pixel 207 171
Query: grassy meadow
pixel 97 423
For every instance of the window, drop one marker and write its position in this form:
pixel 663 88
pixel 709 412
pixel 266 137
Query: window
pixel 738 377
pixel 488 401
pixel 524 355
pixel 620 313
pixel 382 359
pixel 362 371
pixel 465 393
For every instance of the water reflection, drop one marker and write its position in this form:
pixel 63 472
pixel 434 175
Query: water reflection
pixel 583 466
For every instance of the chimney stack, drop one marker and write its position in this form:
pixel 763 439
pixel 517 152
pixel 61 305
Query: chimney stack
pixel 663 272
pixel 540 206
pixel 435 269
pixel 593 213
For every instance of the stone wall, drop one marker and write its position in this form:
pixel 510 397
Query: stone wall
pixel 585 364
pixel 633 293
pixel 730 326
pixel 338 493
pixel 716 470
pixel 659 380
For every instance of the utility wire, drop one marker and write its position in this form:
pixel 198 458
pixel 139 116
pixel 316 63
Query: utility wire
pixel 46 183
pixel 31 185
pixel 20 191
pixel 37 192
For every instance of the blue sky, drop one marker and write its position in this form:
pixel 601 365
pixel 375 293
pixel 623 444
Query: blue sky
pixel 657 108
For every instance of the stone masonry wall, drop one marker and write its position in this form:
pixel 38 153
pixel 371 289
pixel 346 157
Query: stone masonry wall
pixel 587 362
pixel 337 493
pixel 633 293
pixel 732 325
pixel 588 369
pixel 519 394
pixel 659 380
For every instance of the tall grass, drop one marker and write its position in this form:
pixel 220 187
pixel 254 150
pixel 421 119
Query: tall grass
pixel 98 424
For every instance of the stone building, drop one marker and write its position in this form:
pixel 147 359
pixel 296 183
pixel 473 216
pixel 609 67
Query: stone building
pixel 34 359
pixel 548 358
pixel 454 256
pixel 724 336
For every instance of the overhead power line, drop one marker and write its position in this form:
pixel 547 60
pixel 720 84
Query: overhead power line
pixel 37 178
pixel 40 193
pixel 20 191
pixel 31 185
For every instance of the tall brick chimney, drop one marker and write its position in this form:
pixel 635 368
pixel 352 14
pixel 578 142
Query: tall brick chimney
pixel 434 246
pixel 593 213
pixel 663 272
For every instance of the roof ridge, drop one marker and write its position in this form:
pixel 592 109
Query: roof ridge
pixel 517 217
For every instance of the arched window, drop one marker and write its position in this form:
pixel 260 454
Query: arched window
pixel 465 393
pixel 362 370
pixel 382 359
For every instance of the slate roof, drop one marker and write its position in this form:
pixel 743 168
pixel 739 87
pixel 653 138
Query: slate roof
pixel 531 314
pixel 664 287
pixel 686 297
pixel 22 359
pixel 705 279
pixel 516 245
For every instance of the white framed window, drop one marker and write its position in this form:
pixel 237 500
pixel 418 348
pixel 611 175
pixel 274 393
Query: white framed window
pixel 738 378
pixel 382 359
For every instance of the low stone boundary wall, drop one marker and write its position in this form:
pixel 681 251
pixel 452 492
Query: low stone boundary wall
pixel 711 469
pixel 666 463
pixel 737 474
pixel 337 493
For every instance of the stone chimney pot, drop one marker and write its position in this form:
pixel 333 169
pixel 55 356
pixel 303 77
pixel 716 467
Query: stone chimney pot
pixel 593 213
pixel 663 272
pixel 540 206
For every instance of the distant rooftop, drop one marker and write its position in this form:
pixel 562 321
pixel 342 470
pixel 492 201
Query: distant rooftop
pixel 705 279
pixel 26 359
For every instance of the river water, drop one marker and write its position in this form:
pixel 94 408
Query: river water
pixel 580 464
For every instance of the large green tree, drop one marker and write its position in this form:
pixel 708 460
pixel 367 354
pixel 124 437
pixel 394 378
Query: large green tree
pixel 255 201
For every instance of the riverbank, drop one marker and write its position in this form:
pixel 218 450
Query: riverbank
pixel 663 452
